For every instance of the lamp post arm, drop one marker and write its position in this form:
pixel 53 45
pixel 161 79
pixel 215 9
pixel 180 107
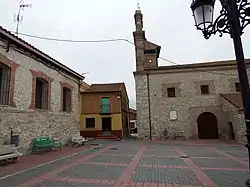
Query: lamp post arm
pixel 221 24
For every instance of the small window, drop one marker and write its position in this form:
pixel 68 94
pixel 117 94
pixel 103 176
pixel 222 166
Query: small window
pixel 67 100
pixel 171 92
pixel 42 94
pixel 5 73
pixel 237 87
pixel 90 122
pixel 204 89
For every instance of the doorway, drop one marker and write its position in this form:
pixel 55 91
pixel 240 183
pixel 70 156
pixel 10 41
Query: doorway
pixel 231 131
pixel 106 125
pixel 207 126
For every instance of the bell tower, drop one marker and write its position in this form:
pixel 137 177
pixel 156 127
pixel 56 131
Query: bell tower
pixel 139 40
pixel 147 53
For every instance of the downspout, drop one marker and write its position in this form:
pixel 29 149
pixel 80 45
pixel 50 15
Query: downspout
pixel 149 109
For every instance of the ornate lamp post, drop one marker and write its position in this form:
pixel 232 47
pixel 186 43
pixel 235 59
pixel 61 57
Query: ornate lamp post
pixel 234 17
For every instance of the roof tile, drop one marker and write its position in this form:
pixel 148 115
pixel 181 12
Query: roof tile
pixel 234 98
pixel 109 87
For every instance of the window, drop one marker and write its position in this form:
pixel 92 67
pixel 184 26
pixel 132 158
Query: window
pixel 171 92
pixel 5 73
pixel 237 87
pixel 42 92
pixel 105 105
pixel 90 122
pixel 67 100
pixel 204 89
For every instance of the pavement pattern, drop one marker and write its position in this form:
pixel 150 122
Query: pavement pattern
pixel 143 163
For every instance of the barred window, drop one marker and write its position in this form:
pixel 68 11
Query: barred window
pixel 171 92
pixel 67 100
pixel 5 74
pixel 42 93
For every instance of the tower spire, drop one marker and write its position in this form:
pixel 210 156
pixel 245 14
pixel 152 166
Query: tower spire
pixel 138 18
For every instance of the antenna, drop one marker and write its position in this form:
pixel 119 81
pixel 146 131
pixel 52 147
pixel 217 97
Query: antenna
pixel 138 5
pixel 85 73
pixel 18 18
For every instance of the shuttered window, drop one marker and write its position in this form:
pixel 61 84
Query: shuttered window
pixel 67 100
pixel 42 93
pixel 105 105
pixel 5 75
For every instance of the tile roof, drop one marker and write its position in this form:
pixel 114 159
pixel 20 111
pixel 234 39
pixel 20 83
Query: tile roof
pixel 234 98
pixel 26 46
pixel 108 87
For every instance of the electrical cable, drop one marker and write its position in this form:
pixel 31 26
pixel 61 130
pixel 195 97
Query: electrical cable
pixel 106 41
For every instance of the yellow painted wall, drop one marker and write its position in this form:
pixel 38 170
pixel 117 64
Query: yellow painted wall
pixel 116 121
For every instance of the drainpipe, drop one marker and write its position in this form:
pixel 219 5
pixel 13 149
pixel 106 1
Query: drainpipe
pixel 149 109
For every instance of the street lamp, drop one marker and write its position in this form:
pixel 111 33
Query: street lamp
pixel 234 17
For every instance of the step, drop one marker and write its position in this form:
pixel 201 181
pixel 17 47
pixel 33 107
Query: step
pixel 107 137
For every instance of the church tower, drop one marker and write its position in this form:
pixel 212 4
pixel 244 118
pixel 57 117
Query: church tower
pixel 147 53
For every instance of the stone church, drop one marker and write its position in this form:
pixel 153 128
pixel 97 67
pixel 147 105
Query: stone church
pixel 191 101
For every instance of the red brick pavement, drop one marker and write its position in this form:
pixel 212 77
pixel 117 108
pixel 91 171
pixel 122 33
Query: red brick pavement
pixel 127 174
pixel 204 179
pixel 32 160
pixel 52 175
pixel 125 178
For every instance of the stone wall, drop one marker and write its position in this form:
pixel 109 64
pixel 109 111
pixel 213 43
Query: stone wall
pixel 188 103
pixel 142 113
pixel 27 121
pixel 235 116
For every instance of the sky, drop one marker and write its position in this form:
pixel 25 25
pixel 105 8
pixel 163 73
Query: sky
pixel 168 23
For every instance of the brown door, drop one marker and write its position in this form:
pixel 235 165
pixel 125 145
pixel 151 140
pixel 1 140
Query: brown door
pixel 207 126
pixel 107 124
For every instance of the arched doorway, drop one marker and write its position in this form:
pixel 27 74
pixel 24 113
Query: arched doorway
pixel 207 126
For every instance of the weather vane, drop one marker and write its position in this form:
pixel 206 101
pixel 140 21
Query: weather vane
pixel 138 5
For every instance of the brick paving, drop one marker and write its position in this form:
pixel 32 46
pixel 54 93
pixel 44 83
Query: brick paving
pixel 142 163
pixel 32 160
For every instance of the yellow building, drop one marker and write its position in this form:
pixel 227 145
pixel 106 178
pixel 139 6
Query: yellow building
pixel 105 111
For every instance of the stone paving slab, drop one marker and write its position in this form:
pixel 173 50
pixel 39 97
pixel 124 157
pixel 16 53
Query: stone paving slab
pixel 68 184
pixel 162 161
pixel 197 153
pixel 232 148
pixel 228 178
pixel 163 147
pixel 112 159
pixel 168 176
pixel 239 154
pixel 218 163
pixel 161 152
pixel 122 151
pixel 93 171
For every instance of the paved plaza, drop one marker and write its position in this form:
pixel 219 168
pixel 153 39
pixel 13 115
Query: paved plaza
pixel 142 163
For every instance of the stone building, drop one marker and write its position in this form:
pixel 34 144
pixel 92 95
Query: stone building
pixel 192 101
pixel 39 96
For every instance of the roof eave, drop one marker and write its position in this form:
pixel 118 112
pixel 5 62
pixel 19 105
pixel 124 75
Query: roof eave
pixel 96 91
pixel 32 49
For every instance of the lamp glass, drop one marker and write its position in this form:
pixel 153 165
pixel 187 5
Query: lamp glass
pixel 203 16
